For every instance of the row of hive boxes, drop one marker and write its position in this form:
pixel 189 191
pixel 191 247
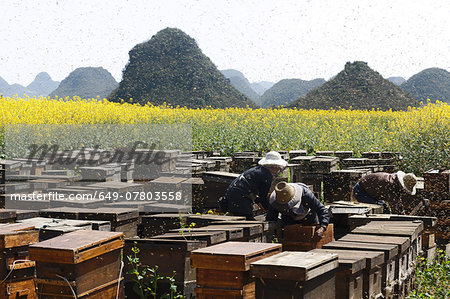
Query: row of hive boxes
pixel 84 264
pixel 370 265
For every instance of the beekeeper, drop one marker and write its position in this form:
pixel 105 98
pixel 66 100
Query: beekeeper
pixel 297 205
pixel 252 186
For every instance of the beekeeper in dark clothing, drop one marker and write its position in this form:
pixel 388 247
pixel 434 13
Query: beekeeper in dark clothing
pixel 385 189
pixel 297 205
pixel 252 186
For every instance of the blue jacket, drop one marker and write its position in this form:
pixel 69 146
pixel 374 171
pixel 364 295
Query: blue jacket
pixel 318 213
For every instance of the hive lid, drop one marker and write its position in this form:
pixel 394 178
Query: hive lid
pixel 293 265
pixel 76 247
pixel 232 256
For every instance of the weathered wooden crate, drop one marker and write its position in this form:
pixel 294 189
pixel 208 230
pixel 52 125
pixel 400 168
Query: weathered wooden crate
pixel 164 184
pixel 324 164
pixel 168 256
pixel 14 259
pixel 121 219
pixel 373 262
pixel 390 258
pixel 401 270
pixel 231 233
pixel 343 155
pixel 355 162
pixel 411 229
pixel 296 153
pixel 49 228
pixel 57 289
pixel 299 237
pixel 89 260
pixel 239 164
pixel 215 185
pixel 222 163
pixel 223 270
pixel 207 219
pixel 19 288
pixel 211 238
pixel 160 161
pixel 296 275
pixel 7 215
pixel 437 181
pixel 153 225
pixel 302 165
pixel 338 184
pixel 160 207
pixel 14 242
pixel 349 275
pixel 252 232
pixel 325 153
pixel 193 193
pixel 269 228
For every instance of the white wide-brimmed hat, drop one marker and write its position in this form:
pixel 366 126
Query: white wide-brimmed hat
pixel 273 159
pixel 408 181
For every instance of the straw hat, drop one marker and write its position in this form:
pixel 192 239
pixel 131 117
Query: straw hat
pixel 408 181
pixel 285 192
pixel 273 159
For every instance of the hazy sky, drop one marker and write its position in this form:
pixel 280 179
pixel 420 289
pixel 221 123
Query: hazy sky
pixel 266 40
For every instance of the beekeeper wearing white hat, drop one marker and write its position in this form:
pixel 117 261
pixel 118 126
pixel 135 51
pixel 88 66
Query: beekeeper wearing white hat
pixel 385 188
pixel 252 186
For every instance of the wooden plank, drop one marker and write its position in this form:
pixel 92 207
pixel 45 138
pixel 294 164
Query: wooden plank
pixel 76 247
pixel 232 256
pixel 296 266
pixel 168 255
pixel 211 238
pixel 390 250
pixel 403 242
pixel 232 233
pixel 210 278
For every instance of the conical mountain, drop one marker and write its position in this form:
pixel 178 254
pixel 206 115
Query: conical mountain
pixel 432 83
pixel 357 87
pixel 288 90
pixel 171 68
pixel 42 85
pixel 87 83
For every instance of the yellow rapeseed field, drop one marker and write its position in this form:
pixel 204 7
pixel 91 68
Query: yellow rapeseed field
pixel 421 135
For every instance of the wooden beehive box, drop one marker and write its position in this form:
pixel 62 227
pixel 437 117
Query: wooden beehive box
pixel 223 269
pixel 338 184
pixel 121 219
pixel 231 233
pixel 296 153
pixel 349 275
pixel 411 229
pixel 160 207
pixel 193 192
pixel 437 181
pixel 14 260
pixel 252 232
pixel 153 225
pixel 215 185
pixel 88 260
pixel 169 256
pixel 390 254
pixel 296 275
pixel 211 238
pixel 207 219
pixel 269 228
pixel 299 237
pixel 404 244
